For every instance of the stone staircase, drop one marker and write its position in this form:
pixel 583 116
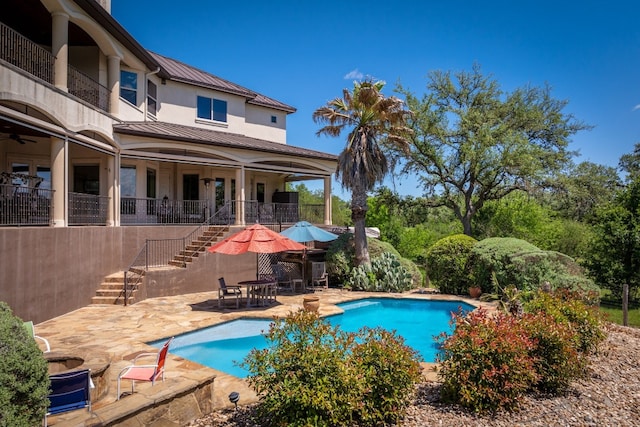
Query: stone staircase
pixel 111 289
pixel 198 246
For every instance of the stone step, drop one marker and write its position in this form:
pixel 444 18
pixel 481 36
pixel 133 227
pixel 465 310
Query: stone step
pixel 196 248
pixel 191 253
pixel 111 285
pixel 177 264
pixel 112 300
pixel 109 292
pixel 184 258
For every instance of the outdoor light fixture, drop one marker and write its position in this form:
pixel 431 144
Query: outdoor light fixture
pixel 207 181
pixel 234 396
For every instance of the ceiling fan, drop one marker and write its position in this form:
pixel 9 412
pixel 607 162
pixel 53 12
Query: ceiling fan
pixel 20 139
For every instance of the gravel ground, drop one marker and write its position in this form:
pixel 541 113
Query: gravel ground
pixel 608 396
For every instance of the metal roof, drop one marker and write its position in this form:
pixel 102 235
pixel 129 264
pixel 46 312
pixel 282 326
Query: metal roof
pixel 181 72
pixel 175 132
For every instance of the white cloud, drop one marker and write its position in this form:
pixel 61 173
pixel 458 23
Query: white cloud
pixel 637 107
pixel 354 74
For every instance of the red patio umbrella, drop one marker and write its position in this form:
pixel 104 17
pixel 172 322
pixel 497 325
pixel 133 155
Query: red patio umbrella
pixel 256 238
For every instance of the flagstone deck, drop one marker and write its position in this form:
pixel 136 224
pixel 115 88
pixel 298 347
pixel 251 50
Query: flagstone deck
pixel 190 390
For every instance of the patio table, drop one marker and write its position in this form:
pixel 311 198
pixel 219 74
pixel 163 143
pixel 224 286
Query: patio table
pixel 261 289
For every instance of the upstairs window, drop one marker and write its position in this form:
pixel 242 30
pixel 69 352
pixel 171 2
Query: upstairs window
pixel 129 86
pixel 212 109
pixel 274 119
pixel 152 98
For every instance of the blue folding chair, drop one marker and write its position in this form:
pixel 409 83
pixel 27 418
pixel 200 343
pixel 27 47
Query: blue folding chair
pixel 69 391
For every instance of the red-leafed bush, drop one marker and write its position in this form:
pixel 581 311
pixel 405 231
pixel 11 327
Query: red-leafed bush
pixel 486 365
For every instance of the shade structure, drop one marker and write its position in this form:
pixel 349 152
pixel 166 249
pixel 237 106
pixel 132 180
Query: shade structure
pixel 304 231
pixel 256 238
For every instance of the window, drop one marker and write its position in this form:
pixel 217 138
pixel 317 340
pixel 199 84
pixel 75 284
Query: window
pixel 129 86
pixel 86 179
pixel 127 190
pixel 274 119
pixel 151 191
pixel 219 193
pixel 260 192
pixel 152 98
pixel 212 109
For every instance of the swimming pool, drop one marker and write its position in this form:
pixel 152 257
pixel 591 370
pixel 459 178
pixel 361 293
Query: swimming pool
pixel 418 321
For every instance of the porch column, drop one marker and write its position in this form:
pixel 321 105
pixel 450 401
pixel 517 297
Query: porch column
pixel 111 178
pixel 328 220
pixel 113 82
pixel 60 48
pixel 116 189
pixel 58 181
pixel 240 197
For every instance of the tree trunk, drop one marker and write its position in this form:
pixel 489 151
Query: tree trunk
pixel 358 215
pixel 466 225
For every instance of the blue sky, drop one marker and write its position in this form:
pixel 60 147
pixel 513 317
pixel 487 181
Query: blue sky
pixel 304 53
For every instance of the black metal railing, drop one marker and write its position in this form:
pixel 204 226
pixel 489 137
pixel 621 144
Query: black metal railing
pixel 87 89
pixel 88 209
pixel 282 213
pixel 25 205
pixel 135 211
pixel 30 57
pixel 24 54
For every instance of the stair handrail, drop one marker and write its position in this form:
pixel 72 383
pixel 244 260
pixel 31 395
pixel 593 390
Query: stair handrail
pixel 134 277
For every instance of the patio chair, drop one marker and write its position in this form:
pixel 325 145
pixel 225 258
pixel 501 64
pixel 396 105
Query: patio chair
pixel 228 291
pixel 319 276
pixel 282 278
pixel 31 330
pixel 148 373
pixel 269 290
pixel 69 391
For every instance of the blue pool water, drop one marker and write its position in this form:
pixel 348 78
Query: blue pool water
pixel 418 321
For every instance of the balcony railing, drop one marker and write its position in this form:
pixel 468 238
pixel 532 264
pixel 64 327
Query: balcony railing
pixel 28 56
pixel 87 209
pixel 162 211
pixel 25 205
pixel 29 205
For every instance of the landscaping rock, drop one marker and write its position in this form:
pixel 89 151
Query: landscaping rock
pixel 608 396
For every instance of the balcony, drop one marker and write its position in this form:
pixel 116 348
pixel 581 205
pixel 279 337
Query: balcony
pixel 23 205
pixel 30 57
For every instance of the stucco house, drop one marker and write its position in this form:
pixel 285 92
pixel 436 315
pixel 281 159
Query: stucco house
pixel 105 147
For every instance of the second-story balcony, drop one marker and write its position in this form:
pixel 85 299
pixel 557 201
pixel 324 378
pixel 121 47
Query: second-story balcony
pixel 21 52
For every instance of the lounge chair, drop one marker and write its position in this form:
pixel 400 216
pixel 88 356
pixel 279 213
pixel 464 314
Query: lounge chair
pixel 32 331
pixel 149 373
pixel 319 276
pixel 69 391
pixel 228 291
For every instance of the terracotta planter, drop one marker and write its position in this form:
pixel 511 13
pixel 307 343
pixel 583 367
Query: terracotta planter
pixel 311 303
pixel 475 292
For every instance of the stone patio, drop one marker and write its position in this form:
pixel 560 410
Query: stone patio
pixel 190 390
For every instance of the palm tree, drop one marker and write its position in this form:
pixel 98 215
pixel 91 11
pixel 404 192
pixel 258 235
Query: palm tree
pixel 376 124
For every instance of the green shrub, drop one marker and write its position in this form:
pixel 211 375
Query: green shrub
pixel 446 263
pixel 486 365
pixel 518 263
pixel 558 362
pixel 24 375
pixel 386 274
pixel 389 370
pixel 314 374
pixel 569 308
